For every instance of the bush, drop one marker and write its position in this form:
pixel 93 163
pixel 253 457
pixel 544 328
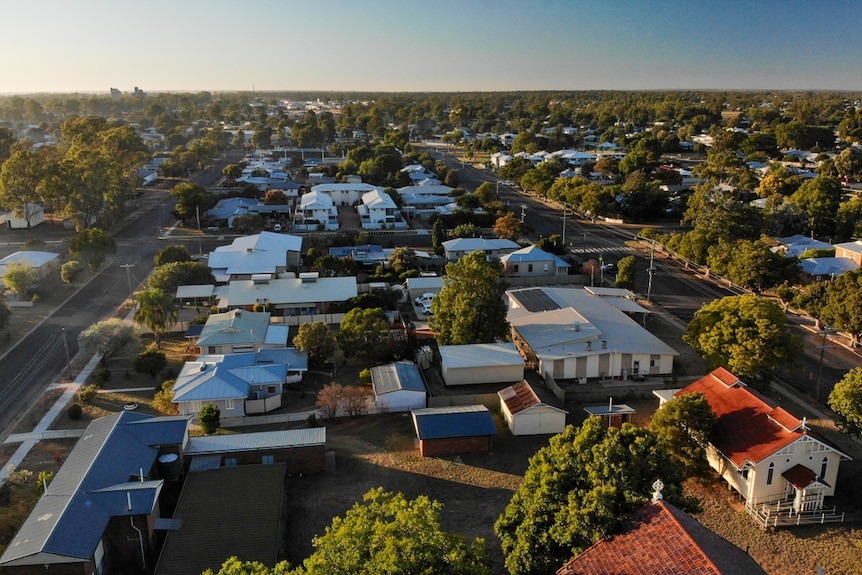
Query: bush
pixel 151 362
pixel 311 420
pixel 75 411
pixel 87 393
pixel 35 299
pixel 210 418
pixel 164 395
pixel 365 377
pixel 71 271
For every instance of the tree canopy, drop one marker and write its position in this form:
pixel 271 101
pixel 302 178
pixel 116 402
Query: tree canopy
pixel 92 246
pixel 317 340
pixel 157 310
pixel 846 400
pixel 470 308
pixel 170 276
pixel 686 424
pixel 746 334
pixel 364 333
pixel 577 490
pixel 107 336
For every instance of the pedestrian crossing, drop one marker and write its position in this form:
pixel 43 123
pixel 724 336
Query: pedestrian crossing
pixel 603 250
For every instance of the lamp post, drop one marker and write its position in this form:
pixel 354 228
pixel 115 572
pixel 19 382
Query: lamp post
pixel 651 270
pixel 128 275
pixel 565 209
pixel 523 212
pixel 66 347
pixel 824 331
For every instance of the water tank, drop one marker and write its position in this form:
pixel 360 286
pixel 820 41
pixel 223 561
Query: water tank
pixel 169 466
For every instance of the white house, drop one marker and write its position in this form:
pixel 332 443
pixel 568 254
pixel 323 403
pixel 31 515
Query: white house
pixel 767 455
pixel 345 194
pixel 40 263
pixel 481 363
pixel 239 331
pixel 305 295
pixel 267 242
pixel 526 414
pixel 316 211
pixel 460 247
pixel 378 211
pixel 398 387
pixel 238 265
pixel 29 216
pixel 571 333
pixel 534 262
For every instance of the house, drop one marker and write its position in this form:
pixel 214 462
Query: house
pixel 613 414
pixel 481 363
pixel 316 212
pixel 100 511
pixel 378 211
pixel 267 242
pixel 460 247
pixel 659 538
pixel 794 246
pixel 772 459
pixel 398 387
pixel 239 331
pixel 308 294
pixel 303 450
pixel 526 414
pixel 238 383
pixel 40 263
pixel 228 209
pixel 533 262
pixel 827 268
pixel 453 430
pixel 571 333
pixel 852 250
pixel 366 255
pixel 345 194
pixel 31 215
pixel 237 265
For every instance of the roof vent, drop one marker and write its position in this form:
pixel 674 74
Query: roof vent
pixel 203 367
pixel 577 326
pixel 604 344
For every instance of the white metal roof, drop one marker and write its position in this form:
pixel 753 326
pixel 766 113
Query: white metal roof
pixel 256 441
pixel 480 355
pixel 290 291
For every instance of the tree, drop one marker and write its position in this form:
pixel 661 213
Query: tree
pixel 846 400
pixel 364 333
pixel 192 199
pixel 330 266
pixel 5 314
pixel 210 418
pixel 107 336
pixel 317 340
pixel 386 533
pixel 468 230
pixel 578 489
pixel 169 277
pixel 91 246
pixel 234 566
pixel 487 193
pixel 329 400
pixel 20 177
pixel 508 227
pixel 686 424
pixel 403 259
pixel 157 310
pixel 19 278
pixel 843 307
pixel 172 253
pixel 626 273
pixel 819 198
pixel 470 307
pixel 232 172
pixel 71 271
pixel 438 234
pixel 746 334
pixel 150 362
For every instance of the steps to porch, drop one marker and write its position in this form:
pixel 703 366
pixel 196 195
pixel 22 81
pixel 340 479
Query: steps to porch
pixel 781 513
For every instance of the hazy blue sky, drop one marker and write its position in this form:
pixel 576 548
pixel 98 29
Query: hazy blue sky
pixel 407 45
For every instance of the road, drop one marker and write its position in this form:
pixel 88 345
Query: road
pixel 678 290
pixel 40 357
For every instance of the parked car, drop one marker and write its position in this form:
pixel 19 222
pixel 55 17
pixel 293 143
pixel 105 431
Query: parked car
pixel 276 228
pixel 610 267
pixel 426 310
pixel 425 299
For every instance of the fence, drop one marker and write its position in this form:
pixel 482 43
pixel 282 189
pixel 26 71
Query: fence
pixel 253 406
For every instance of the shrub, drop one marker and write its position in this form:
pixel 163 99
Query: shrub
pixel 87 393
pixel 71 271
pixel 164 395
pixel 365 377
pixel 210 418
pixel 311 420
pixel 75 411
pixel 36 298
pixel 151 362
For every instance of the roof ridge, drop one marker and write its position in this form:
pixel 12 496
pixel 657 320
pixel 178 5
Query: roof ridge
pixel 667 508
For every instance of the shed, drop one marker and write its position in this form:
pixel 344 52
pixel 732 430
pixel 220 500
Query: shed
pixel 614 415
pixel 453 430
pixel 302 450
pixel 481 363
pixel 526 414
pixel 398 387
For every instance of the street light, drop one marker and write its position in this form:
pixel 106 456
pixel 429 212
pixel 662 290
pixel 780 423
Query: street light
pixel 128 275
pixel 523 212
pixel 824 331
pixel 651 271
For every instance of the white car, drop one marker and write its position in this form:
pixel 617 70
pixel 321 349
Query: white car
pixel 426 310
pixel 425 299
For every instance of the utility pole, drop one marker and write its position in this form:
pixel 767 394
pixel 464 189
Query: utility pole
pixel 565 209
pixel 651 271
pixel 128 275
pixel 198 214
pixel 523 212
pixel 824 331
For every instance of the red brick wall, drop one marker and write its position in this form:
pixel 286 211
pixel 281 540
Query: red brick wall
pixel 310 459
pixel 454 446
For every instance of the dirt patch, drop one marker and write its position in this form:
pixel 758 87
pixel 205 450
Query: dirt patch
pixel 380 451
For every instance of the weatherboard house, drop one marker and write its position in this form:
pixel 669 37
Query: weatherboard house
pixel 772 459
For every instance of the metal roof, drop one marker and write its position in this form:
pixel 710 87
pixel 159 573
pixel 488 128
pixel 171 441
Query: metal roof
pixel 398 376
pixel 291 291
pixel 69 520
pixel 266 242
pixel 480 355
pixel 228 376
pixel 234 327
pixel 256 441
pixel 457 421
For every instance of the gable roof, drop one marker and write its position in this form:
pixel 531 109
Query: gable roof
pixel 521 397
pixel 473 244
pixel 94 484
pixel 659 538
pixel 226 264
pixel 290 291
pixel 234 327
pixel 398 376
pixel 265 242
pixel 230 376
pixel 534 254
pixel 458 421
pixel 749 427
pixel 480 355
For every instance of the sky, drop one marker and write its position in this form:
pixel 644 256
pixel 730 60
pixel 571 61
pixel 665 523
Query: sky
pixel 432 45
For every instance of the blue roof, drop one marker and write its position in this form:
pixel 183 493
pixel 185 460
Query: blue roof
pixel 459 421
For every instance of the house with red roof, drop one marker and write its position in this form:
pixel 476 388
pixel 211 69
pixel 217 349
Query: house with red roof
pixel 659 538
pixel 772 459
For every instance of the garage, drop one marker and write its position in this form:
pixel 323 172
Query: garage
pixel 526 414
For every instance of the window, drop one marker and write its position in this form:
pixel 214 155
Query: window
pixel 770 474
pixel 228 404
pixel 230 461
pixel 267 459
pixel 270 389
pixel 195 406
pixel 529 267
pixel 744 472
pixel 547 266
pixel 823 467
pixel 211 349
pixel 515 268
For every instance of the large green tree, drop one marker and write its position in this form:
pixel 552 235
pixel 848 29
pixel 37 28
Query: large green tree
pixel 843 307
pixel 846 400
pixel 626 273
pixel 686 424
pixel 470 308
pixel 107 336
pixel 20 177
pixel 170 276
pixel 387 533
pixel 157 310
pixel 577 490
pixel 364 333
pixel 746 334
pixel 91 245
pixel 820 199
pixel 317 340
pixel 192 200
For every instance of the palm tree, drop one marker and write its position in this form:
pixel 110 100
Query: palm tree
pixel 157 310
